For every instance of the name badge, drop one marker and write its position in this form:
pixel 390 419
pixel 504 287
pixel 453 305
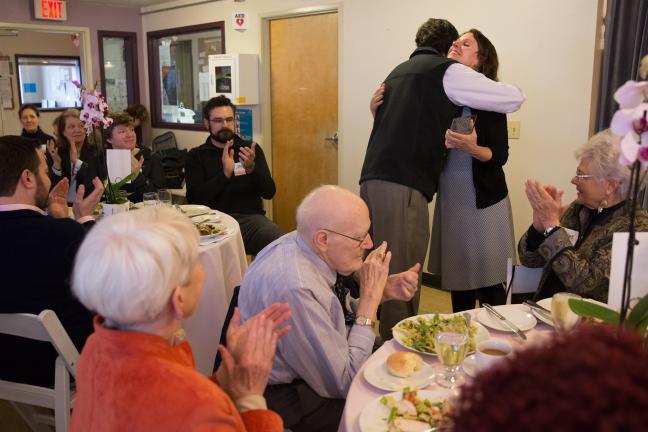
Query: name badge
pixel 239 169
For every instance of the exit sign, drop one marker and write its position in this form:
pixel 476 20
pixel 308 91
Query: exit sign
pixel 50 10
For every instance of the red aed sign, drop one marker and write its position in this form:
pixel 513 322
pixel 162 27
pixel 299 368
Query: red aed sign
pixel 50 10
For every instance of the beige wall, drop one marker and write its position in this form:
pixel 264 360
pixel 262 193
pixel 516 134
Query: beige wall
pixel 35 43
pixel 546 48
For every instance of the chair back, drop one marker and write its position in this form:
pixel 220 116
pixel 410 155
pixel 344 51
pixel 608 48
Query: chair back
pixel 42 327
pixel 164 142
pixel 521 279
pixel 226 323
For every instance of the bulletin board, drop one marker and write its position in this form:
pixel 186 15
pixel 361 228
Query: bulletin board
pixel 6 89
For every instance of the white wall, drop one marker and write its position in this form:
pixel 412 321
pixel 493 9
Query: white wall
pixel 546 48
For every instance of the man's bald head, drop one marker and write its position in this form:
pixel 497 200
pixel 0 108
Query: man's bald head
pixel 330 207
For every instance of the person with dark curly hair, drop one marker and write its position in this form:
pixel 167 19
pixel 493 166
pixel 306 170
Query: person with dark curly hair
pixel 591 379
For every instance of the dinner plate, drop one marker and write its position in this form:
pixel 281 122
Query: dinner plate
pixel 377 375
pixel 546 303
pixel 373 417
pixel 469 365
pixel 481 333
pixel 522 319
pixel 192 210
pixel 207 239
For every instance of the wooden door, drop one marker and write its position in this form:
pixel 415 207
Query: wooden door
pixel 304 94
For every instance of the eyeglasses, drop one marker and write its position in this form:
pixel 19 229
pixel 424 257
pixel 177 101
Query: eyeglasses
pixel 220 120
pixel 581 177
pixel 359 240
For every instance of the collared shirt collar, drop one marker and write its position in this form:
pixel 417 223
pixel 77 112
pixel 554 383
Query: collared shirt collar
pixel 329 274
pixel 14 207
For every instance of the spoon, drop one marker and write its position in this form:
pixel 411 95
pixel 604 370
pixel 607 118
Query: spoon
pixel 467 317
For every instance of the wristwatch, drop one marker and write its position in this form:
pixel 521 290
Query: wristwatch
pixel 364 321
pixel 547 232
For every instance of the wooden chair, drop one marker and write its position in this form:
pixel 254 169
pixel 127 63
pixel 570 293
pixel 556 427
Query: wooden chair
pixel 521 280
pixel 43 327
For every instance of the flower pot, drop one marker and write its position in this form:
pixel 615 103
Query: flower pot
pixel 112 209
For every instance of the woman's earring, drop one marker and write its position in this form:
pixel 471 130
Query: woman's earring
pixel 602 205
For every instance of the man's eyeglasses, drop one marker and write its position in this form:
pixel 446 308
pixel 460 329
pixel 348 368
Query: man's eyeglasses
pixel 359 240
pixel 220 120
pixel 581 177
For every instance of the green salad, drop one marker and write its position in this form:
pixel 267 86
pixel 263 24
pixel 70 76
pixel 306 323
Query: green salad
pixel 415 413
pixel 418 332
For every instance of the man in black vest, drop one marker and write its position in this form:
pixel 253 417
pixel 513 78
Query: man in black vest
pixel 406 152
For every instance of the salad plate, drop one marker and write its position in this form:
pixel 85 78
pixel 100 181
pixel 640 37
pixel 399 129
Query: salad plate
pixel 417 333
pixel 384 413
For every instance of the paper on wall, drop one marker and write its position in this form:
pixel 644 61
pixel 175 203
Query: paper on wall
pixel 119 164
pixel 639 281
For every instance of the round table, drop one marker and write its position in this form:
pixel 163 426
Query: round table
pixel 224 263
pixel 361 393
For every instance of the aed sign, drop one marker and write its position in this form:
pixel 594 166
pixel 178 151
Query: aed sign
pixel 239 21
pixel 51 10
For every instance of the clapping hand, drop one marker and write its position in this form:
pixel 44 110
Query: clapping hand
pixel 373 273
pixel 57 204
pixel 53 152
pixel 246 156
pixel 402 286
pixel 546 202
pixel 86 206
pixel 228 159
pixel 246 372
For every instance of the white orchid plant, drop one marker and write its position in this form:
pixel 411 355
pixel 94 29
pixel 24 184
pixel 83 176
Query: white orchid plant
pixel 631 123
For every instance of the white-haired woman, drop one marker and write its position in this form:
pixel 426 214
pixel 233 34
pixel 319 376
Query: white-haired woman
pixel 575 248
pixel 140 272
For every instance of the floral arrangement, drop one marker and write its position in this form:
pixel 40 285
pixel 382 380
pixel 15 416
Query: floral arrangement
pixel 94 113
pixel 630 121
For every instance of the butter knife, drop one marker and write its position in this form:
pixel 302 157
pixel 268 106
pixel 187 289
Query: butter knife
pixel 546 313
pixel 504 321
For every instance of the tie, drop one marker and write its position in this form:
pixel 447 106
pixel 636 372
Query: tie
pixel 341 290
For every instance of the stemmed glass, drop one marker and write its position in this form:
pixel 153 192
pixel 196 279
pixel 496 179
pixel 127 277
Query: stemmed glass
pixel 563 317
pixel 451 343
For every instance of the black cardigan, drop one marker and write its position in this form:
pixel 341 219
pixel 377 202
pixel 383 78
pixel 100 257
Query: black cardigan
pixel 488 177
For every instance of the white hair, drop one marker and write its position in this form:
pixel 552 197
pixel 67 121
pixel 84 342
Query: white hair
pixel 129 264
pixel 603 150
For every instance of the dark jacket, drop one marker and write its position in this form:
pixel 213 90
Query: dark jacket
pixel 94 165
pixel 406 145
pixel 207 185
pixel 150 179
pixel 39 135
pixel 488 177
pixel 36 260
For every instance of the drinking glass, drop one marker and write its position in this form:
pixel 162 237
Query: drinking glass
pixel 150 199
pixel 563 317
pixel 165 197
pixel 464 124
pixel 451 343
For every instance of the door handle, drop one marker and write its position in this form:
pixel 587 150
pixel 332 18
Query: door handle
pixel 333 139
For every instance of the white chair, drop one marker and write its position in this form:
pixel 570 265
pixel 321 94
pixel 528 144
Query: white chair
pixel 521 279
pixel 43 327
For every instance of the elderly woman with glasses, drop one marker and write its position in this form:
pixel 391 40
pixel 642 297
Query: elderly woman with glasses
pixel 141 273
pixel 574 245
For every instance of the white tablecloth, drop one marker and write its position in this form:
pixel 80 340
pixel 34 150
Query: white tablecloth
pixel 362 393
pixel 224 263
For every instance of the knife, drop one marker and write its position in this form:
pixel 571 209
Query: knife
pixel 504 321
pixel 546 313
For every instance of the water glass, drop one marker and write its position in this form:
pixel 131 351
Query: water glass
pixel 165 197
pixel 150 199
pixel 563 317
pixel 451 343
pixel 463 125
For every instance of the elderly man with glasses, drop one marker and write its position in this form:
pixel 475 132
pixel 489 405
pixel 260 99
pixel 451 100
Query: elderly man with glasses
pixel 332 333
pixel 230 174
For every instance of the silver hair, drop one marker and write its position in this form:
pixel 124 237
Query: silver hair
pixel 129 264
pixel 603 150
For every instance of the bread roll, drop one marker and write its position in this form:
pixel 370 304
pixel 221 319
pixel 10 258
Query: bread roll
pixel 403 364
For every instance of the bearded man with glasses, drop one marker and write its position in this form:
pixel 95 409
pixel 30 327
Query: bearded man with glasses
pixel 230 174
pixel 332 334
